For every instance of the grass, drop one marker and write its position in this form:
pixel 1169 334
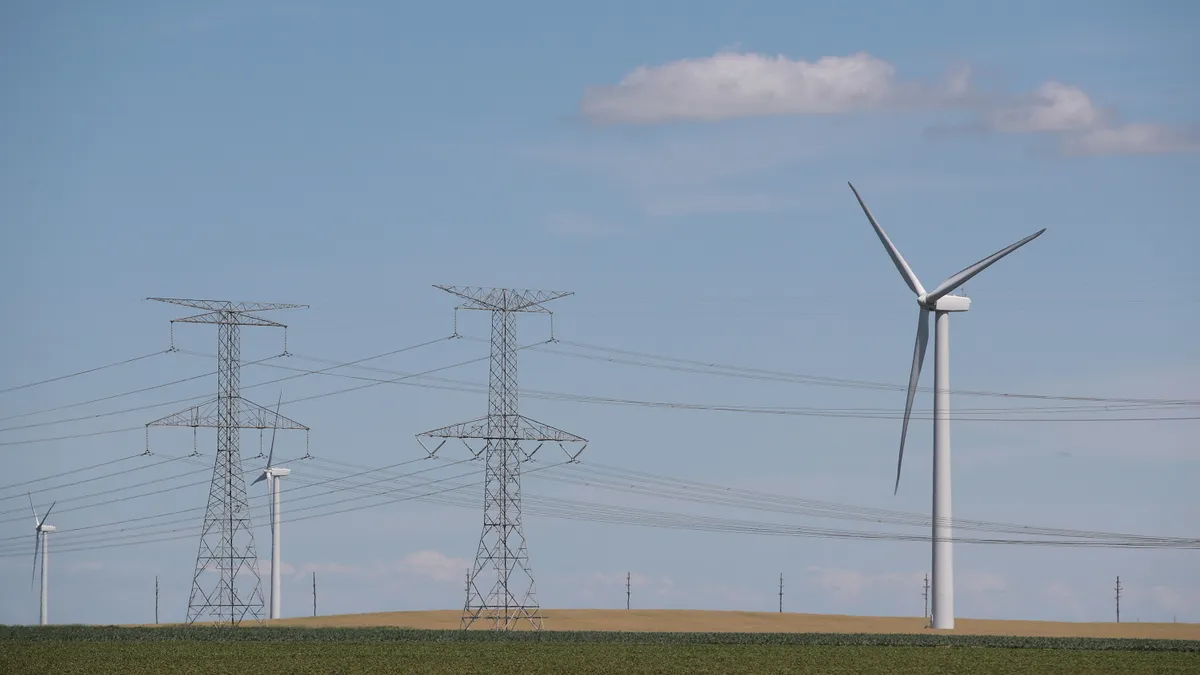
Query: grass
pixel 65 650
pixel 65 634
pixel 534 657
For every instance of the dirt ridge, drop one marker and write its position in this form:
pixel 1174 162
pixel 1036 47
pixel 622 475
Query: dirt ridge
pixel 680 620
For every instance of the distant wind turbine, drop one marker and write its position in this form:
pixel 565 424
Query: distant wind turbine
pixel 41 533
pixel 272 474
pixel 941 303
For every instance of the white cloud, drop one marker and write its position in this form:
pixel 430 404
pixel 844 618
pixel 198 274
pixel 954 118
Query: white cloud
pixel 847 585
pixel 850 584
pixel 433 566
pixel 980 582
pixel 1175 600
pixel 1133 139
pixel 729 85
pixel 1052 107
pixel 306 570
pixel 1085 128
pixel 1065 599
pixel 732 85
pixel 422 565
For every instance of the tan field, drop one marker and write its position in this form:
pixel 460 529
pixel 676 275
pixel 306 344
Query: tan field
pixel 669 620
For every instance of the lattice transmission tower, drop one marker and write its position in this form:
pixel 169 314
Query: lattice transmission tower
pixel 226 538
pixel 512 598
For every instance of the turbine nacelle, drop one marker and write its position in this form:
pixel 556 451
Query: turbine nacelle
pixel 47 528
pixel 946 303
pixel 272 472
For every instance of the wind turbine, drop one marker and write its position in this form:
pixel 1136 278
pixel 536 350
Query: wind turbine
pixel 272 474
pixel 41 532
pixel 941 303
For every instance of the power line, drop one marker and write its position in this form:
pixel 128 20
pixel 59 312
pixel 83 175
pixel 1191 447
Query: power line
pixel 68 437
pixel 585 511
pixel 965 414
pixel 202 396
pixel 82 372
pixel 649 484
pixel 128 393
pixel 88 480
pixel 759 373
pixel 94 531
pixel 60 474
pixel 124 488
pixel 850 413
pixel 127 540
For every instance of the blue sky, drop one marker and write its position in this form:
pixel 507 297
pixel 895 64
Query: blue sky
pixel 681 167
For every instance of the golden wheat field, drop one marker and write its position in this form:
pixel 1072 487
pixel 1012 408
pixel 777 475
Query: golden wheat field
pixel 667 620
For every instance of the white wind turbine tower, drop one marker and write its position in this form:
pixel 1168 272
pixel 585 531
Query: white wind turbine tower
pixel 272 474
pixel 941 303
pixel 41 533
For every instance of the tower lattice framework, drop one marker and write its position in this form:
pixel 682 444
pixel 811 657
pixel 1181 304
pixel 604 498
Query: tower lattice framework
pixel 511 598
pixel 234 593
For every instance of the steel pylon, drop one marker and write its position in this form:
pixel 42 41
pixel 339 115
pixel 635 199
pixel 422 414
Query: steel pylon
pixel 227 538
pixel 512 598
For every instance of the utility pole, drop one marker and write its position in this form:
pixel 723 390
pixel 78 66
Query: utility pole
pixel 628 587
pixel 1118 599
pixel 314 593
pixel 925 594
pixel 502 544
pixel 155 599
pixel 227 538
pixel 781 592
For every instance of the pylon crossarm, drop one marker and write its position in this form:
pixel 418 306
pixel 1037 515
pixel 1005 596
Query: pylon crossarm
pixel 476 428
pixel 431 453
pixel 532 430
pixel 249 415
pixel 254 416
pixel 227 306
pixel 525 429
pixel 574 459
pixel 234 318
pixel 203 415
pixel 503 299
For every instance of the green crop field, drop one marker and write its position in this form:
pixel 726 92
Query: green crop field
pixel 264 651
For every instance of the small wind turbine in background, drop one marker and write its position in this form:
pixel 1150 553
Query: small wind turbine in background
pixel 41 533
pixel 941 303
pixel 272 474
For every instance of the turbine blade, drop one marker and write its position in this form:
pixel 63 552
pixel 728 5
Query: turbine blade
pixel 964 275
pixel 37 541
pixel 274 428
pixel 261 476
pixel 48 511
pixel 913 377
pixel 36 523
pixel 910 277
